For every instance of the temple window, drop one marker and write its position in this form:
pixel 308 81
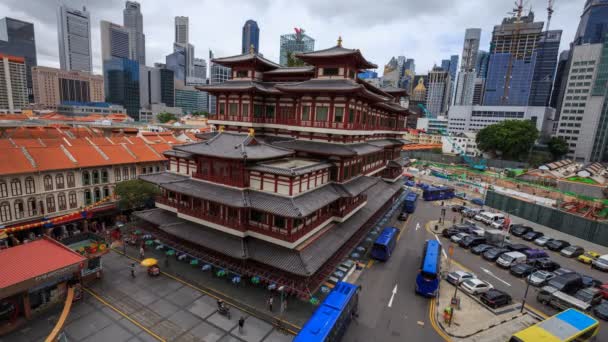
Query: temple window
pixel 258 111
pixel 279 222
pixel 331 71
pixel 241 73
pixel 321 113
pixel 270 112
pixel 222 108
pixel 351 115
pixel 256 216
pixel 245 109
pixel 305 113
pixel 233 109
pixel 338 114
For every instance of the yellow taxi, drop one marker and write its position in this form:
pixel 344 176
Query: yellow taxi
pixel 588 257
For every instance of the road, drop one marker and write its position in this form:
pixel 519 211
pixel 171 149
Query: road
pixel 404 315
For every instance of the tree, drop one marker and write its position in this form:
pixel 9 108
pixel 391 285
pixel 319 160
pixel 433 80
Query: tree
pixel 558 147
pixel 165 117
pixel 135 194
pixel 293 61
pixel 510 139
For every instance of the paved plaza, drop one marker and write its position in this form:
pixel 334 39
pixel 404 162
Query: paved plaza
pixel 121 308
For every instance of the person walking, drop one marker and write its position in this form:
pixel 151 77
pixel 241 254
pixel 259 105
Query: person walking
pixel 141 252
pixel 133 270
pixel 241 324
pixel 270 302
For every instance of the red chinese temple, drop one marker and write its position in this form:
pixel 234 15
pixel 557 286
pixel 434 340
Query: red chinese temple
pixel 304 162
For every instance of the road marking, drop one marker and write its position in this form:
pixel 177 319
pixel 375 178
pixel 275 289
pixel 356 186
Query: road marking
pixel 432 319
pixel 103 301
pixel 390 302
pixel 417 226
pixel 442 249
pixel 494 276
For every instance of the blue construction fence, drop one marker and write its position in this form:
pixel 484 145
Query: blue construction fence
pixel 583 228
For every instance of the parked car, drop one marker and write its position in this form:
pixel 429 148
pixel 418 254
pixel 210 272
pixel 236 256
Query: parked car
pixel 476 286
pixel 588 257
pixel 568 283
pixel 471 241
pixel 601 311
pixel 495 298
pixel 540 278
pixel 546 265
pixel 479 249
pixel 477 201
pixel 521 270
pixel 509 259
pixel 456 238
pixel 589 281
pixel 458 208
pixel 498 224
pixel 479 216
pixel 589 295
pixel 543 240
pixel 600 263
pixel 535 254
pixel 470 212
pixel 532 235
pixel 557 245
pixel 518 247
pixel 572 251
pixel 402 216
pixel 494 253
pixel 604 289
pixel 457 277
pixel 519 230
pixel 561 271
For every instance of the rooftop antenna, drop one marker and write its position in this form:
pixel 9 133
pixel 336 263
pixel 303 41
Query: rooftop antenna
pixel 549 13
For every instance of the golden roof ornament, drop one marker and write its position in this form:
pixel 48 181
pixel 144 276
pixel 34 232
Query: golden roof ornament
pixel 340 41
pixel 251 49
pixel 251 132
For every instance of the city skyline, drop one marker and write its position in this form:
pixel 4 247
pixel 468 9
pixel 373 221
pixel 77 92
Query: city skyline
pixel 427 47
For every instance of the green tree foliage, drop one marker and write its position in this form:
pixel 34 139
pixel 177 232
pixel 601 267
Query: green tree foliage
pixel 510 139
pixel 135 194
pixel 558 147
pixel 165 117
pixel 293 61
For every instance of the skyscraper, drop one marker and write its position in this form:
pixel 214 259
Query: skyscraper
pixel 251 36
pixel 156 86
pixel 182 30
pixel 465 85
pixel 183 47
pixel 294 43
pixel 54 86
pixel 438 91
pixel 13 81
pixel 200 69
pixel 115 42
pixel 512 61
pixel 134 22
pixel 561 75
pixel 594 23
pixel 17 39
pixel 481 65
pixel 547 50
pixel 74 36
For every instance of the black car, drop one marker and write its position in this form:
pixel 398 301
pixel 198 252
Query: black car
pixel 458 208
pixel 521 270
pixel 546 265
pixel 402 216
pixel 569 283
pixel 471 241
pixel 601 311
pixel 557 245
pixel 532 235
pixel 590 281
pixel 518 247
pixel 449 232
pixel 493 253
pixel 519 230
pixel 480 248
pixel 495 298
pixel 561 271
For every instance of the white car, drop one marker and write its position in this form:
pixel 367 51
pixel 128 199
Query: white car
pixel 543 240
pixel 476 286
pixel 456 238
pixel 457 277
pixel 498 224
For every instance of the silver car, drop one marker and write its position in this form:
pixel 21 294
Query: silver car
pixel 456 238
pixel 457 277
pixel 540 278
pixel 543 240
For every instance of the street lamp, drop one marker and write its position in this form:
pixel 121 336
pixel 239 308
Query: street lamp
pixel 523 302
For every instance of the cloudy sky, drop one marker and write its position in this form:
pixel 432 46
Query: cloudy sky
pixel 426 30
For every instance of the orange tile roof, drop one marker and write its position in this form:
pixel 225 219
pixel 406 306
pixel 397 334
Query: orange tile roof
pixel 118 154
pixel 87 156
pixel 51 158
pixel 160 148
pixel 34 259
pixel 5 143
pixel 13 161
pixel 13 117
pixel 27 142
pixel 144 153
pixel 413 147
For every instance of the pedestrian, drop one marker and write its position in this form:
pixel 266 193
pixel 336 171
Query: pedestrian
pixel 133 270
pixel 270 302
pixel 241 324
pixel 141 252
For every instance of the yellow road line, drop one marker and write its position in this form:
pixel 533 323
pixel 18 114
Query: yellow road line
pixel 103 301
pixel 233 300
pixel 434 324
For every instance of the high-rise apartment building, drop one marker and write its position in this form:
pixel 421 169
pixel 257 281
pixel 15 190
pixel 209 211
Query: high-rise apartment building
pixel 134 22
pixel 251 36
pixel 512 61
pixel 294 43
pixel 547 50
pixel 74 36
pixel 594 23
pixel 17 39
pixel 52 87
pixel 13 83
pixel 438 91
pixel 465 85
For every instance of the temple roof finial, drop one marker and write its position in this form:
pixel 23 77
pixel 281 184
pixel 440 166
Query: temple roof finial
pixel 251 49
pixel 340 41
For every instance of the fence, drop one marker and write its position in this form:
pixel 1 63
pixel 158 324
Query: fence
pixel 452 159
pixel 592 231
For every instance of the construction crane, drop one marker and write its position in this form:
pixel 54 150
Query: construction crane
pixel 549 14
pixel 477 165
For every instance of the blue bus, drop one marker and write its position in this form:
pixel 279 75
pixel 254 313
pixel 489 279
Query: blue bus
pixel 427 281
pixel 332 317
pixel 385 244
pixel 438 193
pixel 409 205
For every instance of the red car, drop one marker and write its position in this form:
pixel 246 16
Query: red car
pixel 604 290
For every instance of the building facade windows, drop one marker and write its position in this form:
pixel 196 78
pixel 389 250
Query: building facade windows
pixel 71 180
pixel 305 113
pixel 48 183
pixel 117 175
pixel 72 200
pixel 106 192
pixel 133 172
pixel 86 178
pixel 61 202
pixel 87 197
pixel 59 181
pixel 96 195
pixel 5 212
pixel 125 173
pixel 338 114
pixel 50 204
pixel 31 207
pixel 3 189
pixel 104 176
pixel 321 113
pixel 16 187
pixel 19 209
pixel 95 176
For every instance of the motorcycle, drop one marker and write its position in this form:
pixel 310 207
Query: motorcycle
pixel 224 311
